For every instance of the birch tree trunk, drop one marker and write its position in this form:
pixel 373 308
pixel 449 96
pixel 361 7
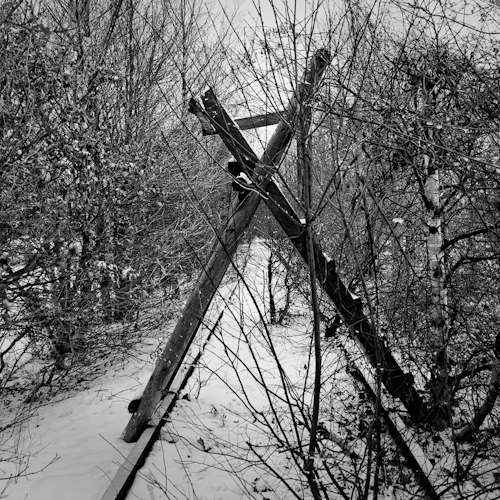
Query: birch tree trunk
pixel 437 312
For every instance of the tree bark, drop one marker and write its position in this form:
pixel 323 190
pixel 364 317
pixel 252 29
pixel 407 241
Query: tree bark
pixel 438 319
pixel 304 167
pixel 485 409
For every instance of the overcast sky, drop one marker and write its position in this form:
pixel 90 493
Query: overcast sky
pixel 285 9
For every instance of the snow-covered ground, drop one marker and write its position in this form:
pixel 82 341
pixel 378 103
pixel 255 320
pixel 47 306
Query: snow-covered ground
pixel 236 430
pixel 74 444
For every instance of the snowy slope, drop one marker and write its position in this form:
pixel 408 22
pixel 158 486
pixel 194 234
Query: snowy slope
pixel 233 432
pixel 79 438
pixel 229 435
pixel 75 446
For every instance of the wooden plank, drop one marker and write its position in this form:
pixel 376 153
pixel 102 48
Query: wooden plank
pixel 121 483
pixel 124 478
pixel 350 308
pixel 255 121
pixel 181 338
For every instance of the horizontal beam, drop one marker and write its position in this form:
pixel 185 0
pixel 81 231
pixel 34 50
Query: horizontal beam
pixel 250 122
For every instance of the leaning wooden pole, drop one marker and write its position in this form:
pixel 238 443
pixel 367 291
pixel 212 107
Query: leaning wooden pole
pixel 242 212
pixel 399 384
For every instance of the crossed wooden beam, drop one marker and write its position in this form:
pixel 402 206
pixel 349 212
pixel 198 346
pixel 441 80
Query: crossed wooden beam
pixel 215 119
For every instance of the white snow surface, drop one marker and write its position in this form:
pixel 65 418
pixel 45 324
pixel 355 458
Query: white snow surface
pixel 74 444
pixel 80 435
pixel 221 423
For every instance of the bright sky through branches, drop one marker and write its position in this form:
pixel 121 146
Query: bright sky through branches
pixel 272 13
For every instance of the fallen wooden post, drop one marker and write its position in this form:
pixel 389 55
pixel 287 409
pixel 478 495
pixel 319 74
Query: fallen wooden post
pixel 121 483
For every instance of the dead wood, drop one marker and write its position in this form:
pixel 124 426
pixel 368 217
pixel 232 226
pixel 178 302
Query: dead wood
pixel 485 409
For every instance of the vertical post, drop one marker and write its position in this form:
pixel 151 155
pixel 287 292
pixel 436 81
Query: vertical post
pixel 304 166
